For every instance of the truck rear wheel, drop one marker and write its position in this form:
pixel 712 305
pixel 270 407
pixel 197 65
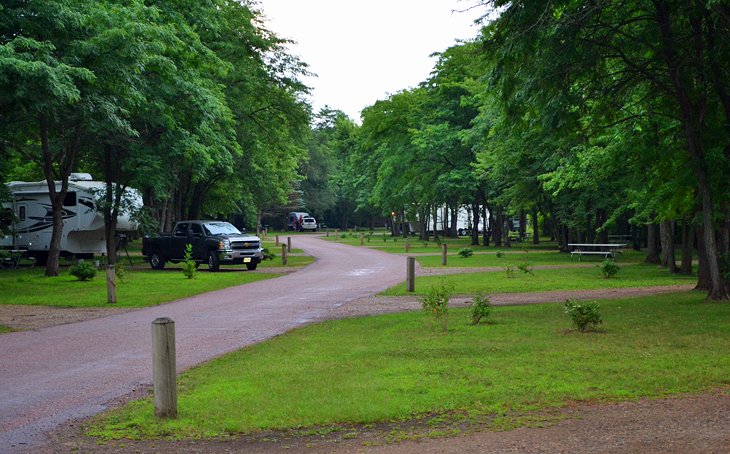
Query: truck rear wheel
pixel 213 262
pixel 157 261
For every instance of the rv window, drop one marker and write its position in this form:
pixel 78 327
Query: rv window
pixel 70 200
pixel 21 213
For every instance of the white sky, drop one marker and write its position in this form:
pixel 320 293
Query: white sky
pixel 364 50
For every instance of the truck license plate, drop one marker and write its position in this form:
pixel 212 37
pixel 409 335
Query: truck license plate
pixel 247 260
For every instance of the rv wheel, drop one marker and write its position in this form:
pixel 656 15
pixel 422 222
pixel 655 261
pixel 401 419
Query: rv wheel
pixel 156 261
pixel 213 262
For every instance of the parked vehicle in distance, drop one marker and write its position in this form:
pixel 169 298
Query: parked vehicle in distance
pixel 213 242
pixel 294 220
pixel 309 223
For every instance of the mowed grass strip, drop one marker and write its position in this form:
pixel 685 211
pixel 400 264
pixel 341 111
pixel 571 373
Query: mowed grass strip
pixel 398 367
pixel 138 289
pixel 546 280
pixel 515 258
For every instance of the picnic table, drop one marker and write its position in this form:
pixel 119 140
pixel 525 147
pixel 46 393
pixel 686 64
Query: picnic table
pixel 605 250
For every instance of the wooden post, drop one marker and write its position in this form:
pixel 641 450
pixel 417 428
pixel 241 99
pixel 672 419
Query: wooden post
pixel 328 232
pixel 362 239
pixel 111 285
pixel 277 241
pixel 444 250
pixel 288 244
pixel 283 254
pixel 411 274
pixel 337 234
pixel 163 368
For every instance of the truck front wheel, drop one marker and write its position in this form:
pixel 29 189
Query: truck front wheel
pixel 251 266
pixel 156 261
pixel 213 262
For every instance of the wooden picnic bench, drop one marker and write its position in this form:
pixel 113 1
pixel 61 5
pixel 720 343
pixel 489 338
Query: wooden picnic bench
pixel 607 250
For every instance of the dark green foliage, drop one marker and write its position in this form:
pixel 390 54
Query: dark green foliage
pixel 83 271
pixel 268 255
pixel 189 266
pixel 609 268
pixel 436 303
pixel 479 308
pixel 466 252
pixel 583 315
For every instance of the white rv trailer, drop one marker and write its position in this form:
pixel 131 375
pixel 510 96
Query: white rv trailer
pixel 83 224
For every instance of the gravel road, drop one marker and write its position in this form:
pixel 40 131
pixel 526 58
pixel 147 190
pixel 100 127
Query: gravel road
pixel 57 374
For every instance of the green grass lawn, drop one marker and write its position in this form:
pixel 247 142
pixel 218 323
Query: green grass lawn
pixel 517 257
pixel 140 287
pixel 398 367
pixel 545 280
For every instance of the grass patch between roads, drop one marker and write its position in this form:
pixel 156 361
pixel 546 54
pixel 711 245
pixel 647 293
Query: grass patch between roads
pixel 139 288
pixel 546 280
pixel 397 367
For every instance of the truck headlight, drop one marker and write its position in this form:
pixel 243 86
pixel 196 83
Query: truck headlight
pixel 224 245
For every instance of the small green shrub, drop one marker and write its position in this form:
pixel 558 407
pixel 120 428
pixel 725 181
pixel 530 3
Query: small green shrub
pixel 268 255
pixel 479 308
pixel 526 268
pixel 438 241
pixel 500 254
pixel 83 271
pixel 120 271
pixel 466 252
pixel 510 270
pixel 436 303
pixel 608 268
pixel 189 265
pixel 583 315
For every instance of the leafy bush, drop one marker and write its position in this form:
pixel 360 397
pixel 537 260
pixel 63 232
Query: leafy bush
pixel 438 241
pixel 500 254
pixel 583 315
pixel 436 303
pixel 510 270
pixel 120 271
pixel 609 268
pixel 83 271
pixel 189 265
pixel 343 235
pixel 268 255
pixel 479 308
pixel 466 252
pixel 526 268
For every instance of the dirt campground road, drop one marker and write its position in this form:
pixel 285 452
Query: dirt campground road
pixel 54 375
pixel 86 378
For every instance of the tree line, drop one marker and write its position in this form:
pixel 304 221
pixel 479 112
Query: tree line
pixel 591 117
pixel 196 104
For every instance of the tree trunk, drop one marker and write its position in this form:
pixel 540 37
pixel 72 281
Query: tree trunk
pixel 535 227
pixel 652 249
pixel 668 256
pixel 453 230
pixel 523 225
pixel 687 240
pixel 485 228
pixel 703 269
pixel 435 222
pixel 497 230
pixel 475 224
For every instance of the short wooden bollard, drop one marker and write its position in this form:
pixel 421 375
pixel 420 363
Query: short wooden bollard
pixel 411 274
pixel 283 254
pixel 111 285
pixel 362 239
pixel 444 249
pixel 277 240
pixel 164 368
pixel 328 233
pixel 288 244
pixel 337 234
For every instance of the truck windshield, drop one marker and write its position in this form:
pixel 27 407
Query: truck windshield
pixel 220 228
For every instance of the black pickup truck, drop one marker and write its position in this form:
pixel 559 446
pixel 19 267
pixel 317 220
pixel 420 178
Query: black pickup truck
pixel 213 242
